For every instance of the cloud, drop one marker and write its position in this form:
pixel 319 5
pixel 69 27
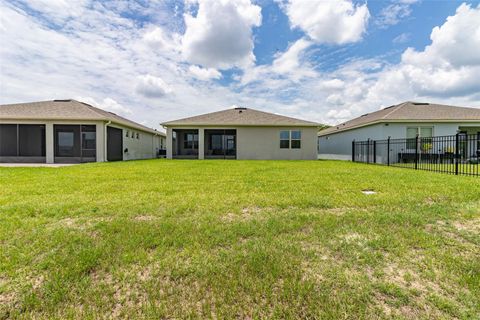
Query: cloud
pixel 287 67
pixel 393 14
pixel 204 73
pixel 220 35
pixel 289 61
pixel 337 22
pixel 158 39
pixel 445 71
pixel 401 38
pixel 152 87
pixel 107 104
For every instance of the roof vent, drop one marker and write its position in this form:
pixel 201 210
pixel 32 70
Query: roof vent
pixel 420 103
pixel 62 100
pixel 363 115
pixel 240 108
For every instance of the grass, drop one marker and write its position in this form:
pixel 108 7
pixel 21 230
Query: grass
pixel 238 239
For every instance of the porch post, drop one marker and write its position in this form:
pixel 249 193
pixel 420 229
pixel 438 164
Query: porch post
pixel 201 143
pixel 169 143
pixel 49 143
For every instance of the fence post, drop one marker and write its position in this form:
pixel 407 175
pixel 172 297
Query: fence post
pixel 368 150
pixel 457 153
pixel 353 150
pixel 388 151
pixel 416 152
pixel 374 151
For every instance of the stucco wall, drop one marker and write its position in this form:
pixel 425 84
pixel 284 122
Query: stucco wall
pixel 339 145
pixel 143 148
pixel 264 143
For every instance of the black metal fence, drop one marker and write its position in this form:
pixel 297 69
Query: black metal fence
pixel 458 154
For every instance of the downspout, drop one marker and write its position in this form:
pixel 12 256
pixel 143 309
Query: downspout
pixel 105 142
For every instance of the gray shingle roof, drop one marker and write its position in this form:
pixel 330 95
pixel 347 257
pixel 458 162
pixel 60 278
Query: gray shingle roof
pixel 409 112
pixel 65 110
pixel 241 117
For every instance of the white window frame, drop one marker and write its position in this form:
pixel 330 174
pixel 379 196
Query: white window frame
pixel 290 140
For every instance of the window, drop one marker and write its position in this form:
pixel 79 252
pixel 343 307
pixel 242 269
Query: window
pixel 138 135
pixel 296 137
pixel 284 139
pixel 422 132
pixel 128 134
pixel 190 141
pixel 290 139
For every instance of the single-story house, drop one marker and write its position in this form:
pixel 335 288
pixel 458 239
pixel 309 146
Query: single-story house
pixel 405 120
pixel 241 133
pixel 70 131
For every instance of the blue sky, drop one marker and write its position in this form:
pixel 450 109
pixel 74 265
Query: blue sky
pixel 324 61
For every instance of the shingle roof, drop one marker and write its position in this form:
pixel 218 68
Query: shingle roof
pixel 65 110
pixel 241 117
pixel 409 112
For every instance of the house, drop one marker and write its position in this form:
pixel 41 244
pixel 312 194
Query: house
pixel 241 133
pixel 405 120
pixel 70 131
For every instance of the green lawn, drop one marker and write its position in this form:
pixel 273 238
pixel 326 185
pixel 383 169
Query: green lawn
pixel 238 239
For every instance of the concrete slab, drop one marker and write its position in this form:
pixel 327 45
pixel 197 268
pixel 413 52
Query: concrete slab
pixel 33 165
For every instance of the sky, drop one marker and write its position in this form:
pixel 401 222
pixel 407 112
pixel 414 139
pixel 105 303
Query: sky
pixel 324 61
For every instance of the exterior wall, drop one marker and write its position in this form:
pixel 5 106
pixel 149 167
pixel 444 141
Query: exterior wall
pixel 339 145
pixel 260 143
pixel 146 147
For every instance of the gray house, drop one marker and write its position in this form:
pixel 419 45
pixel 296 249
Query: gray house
pixel 405 120
pixel 70 131
pixel 241 133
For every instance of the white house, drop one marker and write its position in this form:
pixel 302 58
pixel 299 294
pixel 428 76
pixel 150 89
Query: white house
pixel 405 120
pixel 70 131
pixel 241 133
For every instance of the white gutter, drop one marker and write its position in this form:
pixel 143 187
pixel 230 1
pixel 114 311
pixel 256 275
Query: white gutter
pixel 105 141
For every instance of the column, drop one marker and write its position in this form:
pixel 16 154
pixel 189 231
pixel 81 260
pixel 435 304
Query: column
pixel 100 141
pixel 169 143
pixel 201 143
pixel 49 143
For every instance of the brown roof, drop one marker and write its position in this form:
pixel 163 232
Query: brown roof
pixel 409 112
pixel 241 117
pixel 65 110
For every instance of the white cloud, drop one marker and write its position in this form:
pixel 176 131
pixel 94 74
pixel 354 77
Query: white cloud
pixel 289 61
pixel 393 14
pixel 336 22
pixel 401 38
pixel 152 87
pixel 158 39
pixel 204 73
pixel 220 35
pixel 107 104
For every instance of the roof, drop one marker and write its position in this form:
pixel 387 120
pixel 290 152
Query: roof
pixel 241 117
pixel 409 112
pixel 65 110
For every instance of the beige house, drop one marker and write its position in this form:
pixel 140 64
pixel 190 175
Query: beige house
pixel 70 131
pixel 241 133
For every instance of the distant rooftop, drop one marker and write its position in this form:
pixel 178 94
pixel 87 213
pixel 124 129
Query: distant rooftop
pixel 241 116
pixel 67 109
pixel 409 112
